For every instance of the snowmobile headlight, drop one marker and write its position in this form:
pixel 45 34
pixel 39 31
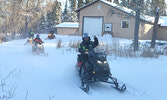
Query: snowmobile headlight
pixel 99 62
pixel 105 62
pixel 39 45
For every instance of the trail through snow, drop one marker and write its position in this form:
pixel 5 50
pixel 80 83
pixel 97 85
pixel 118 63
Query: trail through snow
pixel 54 77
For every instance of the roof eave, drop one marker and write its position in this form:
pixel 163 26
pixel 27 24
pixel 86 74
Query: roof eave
pixel 86 5
pixel 109 5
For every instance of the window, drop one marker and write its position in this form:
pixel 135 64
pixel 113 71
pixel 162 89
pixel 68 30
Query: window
pixel 125 24
pixel 99 7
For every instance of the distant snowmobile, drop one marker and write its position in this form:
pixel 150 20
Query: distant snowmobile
pixel 29 41
pixel 38 49
pixel 96 69
pixel 51 36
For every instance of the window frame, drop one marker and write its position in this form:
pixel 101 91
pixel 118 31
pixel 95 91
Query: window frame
pixel 125 21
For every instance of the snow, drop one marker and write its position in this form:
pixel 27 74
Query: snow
pixel 54 77
pixel 129 11
pixel 68 25
pixel 163 20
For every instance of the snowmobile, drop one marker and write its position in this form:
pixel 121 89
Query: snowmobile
pixel 29 41
pixel 38 49
pixel 96 69
pixel 51 36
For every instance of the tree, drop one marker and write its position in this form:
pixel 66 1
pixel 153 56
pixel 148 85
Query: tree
pixel 155 28
pixel 66 14
pixel 20 16
pixel 135 5
pixel 54 16
pixel 87 1
pixel 109 0
pixel 80 3
pixel 147 7
pixel 116 1
pixel 42 23
pixel 73 7
pixel 137 23
pixel 158 3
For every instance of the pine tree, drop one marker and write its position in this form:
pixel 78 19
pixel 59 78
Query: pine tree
pixel 54 16
pixel 73 7
pixel 87 1
pixel 124 3
pixel 109 0
pixel 65 17
pixel 80 3
pixel 128 1
pixel 57 11
pixel 163 7
pixel 116 1
pixel 42 23
pixel 158 3
pixel 147 6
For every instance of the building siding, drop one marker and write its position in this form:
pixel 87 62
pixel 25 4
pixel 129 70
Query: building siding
pixel 162 33
pixel 67 31
pixel 145 31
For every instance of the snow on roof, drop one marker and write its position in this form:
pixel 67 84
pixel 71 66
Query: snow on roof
pixel 129 11
pixel 124 9
pixel 163 20
pixel 68 24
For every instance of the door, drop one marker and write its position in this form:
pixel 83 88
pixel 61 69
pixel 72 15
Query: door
pixel 93 26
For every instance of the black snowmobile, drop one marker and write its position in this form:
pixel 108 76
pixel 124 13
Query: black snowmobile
pixel 96 69
pixel 38 49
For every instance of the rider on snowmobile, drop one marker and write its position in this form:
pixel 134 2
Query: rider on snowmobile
pixel 87 45
pixel 31 34
pixel 38 40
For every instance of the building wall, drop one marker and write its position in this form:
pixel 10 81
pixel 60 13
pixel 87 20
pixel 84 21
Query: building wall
pixel 67 31
pixel 162 33
pixel 145 31
pixel 116 19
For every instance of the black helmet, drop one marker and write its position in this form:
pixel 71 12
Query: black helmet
pixel 37 36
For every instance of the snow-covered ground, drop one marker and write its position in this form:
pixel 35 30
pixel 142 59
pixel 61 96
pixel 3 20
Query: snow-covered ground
pixel 53 77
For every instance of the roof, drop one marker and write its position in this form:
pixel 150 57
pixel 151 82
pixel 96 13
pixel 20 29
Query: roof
pixel 119 7
pixel 68 25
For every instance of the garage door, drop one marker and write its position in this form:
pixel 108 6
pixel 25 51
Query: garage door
pixel 93 25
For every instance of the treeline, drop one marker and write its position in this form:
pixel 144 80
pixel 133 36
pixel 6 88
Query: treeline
pixel 21 16
pixel 41 16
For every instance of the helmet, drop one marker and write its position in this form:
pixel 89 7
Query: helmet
pixel 85 35
pixel 86 38
pixel 37 36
